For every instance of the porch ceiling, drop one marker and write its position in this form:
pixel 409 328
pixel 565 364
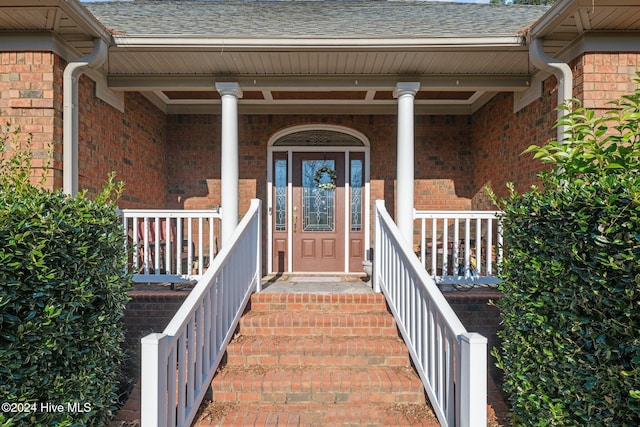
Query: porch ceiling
pixel 322 66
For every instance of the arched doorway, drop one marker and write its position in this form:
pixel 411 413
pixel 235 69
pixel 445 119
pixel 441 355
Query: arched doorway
pixel 317 200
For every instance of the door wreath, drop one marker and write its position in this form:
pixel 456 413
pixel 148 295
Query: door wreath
pixel 319 177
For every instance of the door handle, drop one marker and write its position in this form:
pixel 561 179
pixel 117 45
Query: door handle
pixel 295 219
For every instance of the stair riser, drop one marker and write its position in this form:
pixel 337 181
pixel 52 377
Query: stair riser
pixel 306 307
pixel 286 324
pixel 322 415
pixel 352 303
pixel 374 384
pixel 297 360
pixel 314 398
pixel 316 332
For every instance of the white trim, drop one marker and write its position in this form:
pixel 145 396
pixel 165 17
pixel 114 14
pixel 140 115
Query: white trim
pixel 347 150
pixel 228 44
pixel 316 127
pixel 111 97
pixel 522 99
pixel 347 217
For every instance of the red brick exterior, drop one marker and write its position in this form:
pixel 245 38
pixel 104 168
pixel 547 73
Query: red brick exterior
pixel 131 144
pixel 499 135
pixel 603 77
pixel 442 162
pixel 31 98
pixel 173 160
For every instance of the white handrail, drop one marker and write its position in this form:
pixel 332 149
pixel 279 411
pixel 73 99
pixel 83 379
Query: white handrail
pixel 451 362
pixel 460 247
pixel 179 364
pixel 170 245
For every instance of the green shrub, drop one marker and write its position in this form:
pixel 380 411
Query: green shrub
pixel 571 278
pixel 62 295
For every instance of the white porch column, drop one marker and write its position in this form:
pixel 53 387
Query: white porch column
pixel 229 92
pixel 405 92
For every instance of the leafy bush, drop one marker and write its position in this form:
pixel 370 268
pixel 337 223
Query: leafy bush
pixel 62 295
pixel 571 277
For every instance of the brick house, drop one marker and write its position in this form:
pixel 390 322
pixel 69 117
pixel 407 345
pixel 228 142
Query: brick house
pixel 196 104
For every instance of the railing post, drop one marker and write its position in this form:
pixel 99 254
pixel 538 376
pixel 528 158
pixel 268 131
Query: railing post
pixel 377 246
pixel 472 381
pixel 153 379
pixel 258 245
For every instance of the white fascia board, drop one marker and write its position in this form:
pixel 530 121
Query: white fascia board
pixel 315 43
pixel 384 109
pixel 37 41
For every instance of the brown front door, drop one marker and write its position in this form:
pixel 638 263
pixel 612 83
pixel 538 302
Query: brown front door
pixel 318 212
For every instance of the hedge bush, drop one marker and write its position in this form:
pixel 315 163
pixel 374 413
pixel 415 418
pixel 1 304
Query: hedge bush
pixel 62 295
pixel 571 277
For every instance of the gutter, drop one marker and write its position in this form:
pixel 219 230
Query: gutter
pixel 563 73
pixel 71 76
pixel 316 43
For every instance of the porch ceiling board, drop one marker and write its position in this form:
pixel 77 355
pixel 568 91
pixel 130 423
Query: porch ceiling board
pixel 317 63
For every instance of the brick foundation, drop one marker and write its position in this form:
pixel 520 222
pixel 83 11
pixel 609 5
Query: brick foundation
pixel 478 314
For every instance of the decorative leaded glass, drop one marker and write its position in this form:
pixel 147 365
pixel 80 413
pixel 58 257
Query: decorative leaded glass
pixel 318 204
pixel 318 138
pixel 356 195
pixel 281 195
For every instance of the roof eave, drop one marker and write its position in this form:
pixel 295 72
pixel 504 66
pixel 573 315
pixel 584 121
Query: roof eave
pixel 247 43
pixel 548 22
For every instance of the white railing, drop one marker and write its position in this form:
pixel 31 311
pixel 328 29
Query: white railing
pixel 178 364
pixel 451 362
pixel 170 245
pixel 460 247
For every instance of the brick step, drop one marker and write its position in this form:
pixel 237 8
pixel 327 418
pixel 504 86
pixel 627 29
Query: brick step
pixel 321 415
pixel 317 351
pixel 312 385
pixel 265 301
pixel 315 323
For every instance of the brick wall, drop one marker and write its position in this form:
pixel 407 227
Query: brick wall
pixel 499 135
pixel 478 313
pixel 131 144
pixel 148 311
pixel 443 157
pixel 603 77
pixel 31 97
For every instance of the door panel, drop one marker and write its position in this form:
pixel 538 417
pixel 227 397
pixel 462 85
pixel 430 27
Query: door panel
pixel 318 212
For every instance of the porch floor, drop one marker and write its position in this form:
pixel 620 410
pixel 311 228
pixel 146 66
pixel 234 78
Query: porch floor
pixel 296 283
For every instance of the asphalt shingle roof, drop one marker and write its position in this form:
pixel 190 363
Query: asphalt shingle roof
pixel 313 18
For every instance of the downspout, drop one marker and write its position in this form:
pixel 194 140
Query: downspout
pixel 71 77
pixel 563 73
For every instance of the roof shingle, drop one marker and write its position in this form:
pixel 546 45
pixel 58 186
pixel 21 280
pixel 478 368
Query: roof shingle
pixel 313 18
